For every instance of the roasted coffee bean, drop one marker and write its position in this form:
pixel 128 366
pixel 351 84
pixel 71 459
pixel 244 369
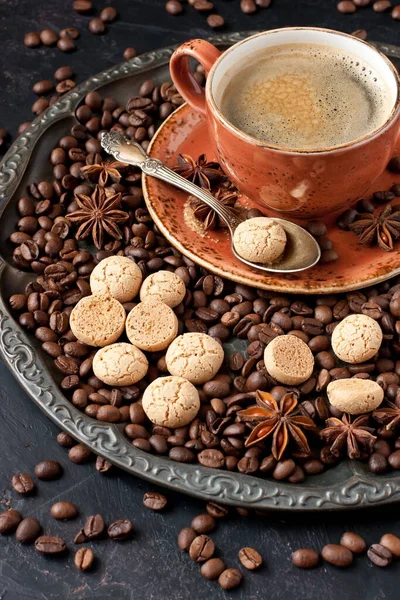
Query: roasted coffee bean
pixel 82 6
pixel 50 544
pixel 213 459
pixel 97 26
pixel 84 559
pixel 43 87
pixel 120 530
pixel 250 558
pixel 66 44
pixel 94 527
pixel 230 579
pixel 79 454
pixel 28 530
pixel 32 39
pixel 185 538
pixel 283 469
pixel 65 440
pixel 23 483
pixel 337 555
pixel 48 37
pixel 108 14
pixel 377 463
pixel 80 537
pixel 354 542
pixel 201 549
pixel 61 74
pixel 64 511
pixel 203 523
pixel 381 5
pixel 392 543
pixel 215 21
pixel 154 501
pixel 313 466
pixel 379 555
pixel 173 7
pixel 212 568
pixel 346 7
pixel 129 53
pixel 218 511
pixel 305 558
pixel 9 520
pixel 48 470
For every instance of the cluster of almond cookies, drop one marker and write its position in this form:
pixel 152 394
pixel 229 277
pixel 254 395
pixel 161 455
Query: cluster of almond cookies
pixel 100 320
pixel 355 340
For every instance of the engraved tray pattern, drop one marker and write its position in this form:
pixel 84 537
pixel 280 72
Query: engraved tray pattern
pixel 346 486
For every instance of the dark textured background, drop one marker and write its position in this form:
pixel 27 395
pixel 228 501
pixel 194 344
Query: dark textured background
pixel 150 566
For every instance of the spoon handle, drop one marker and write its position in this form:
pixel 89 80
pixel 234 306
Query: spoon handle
pixel 132 153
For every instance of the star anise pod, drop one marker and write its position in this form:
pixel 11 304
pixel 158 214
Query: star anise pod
pixel 98 214
pixel 207 215
pixel 200 171
pixel 382 229
pixel 388 415
pixel 279 420
pixel 344 433
pixel 104 171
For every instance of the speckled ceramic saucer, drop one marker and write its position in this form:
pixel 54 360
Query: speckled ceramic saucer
pixel 185 131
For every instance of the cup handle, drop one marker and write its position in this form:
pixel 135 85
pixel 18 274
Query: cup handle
pixel 183 77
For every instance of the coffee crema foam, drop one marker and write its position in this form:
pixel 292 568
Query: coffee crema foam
pixel 306 96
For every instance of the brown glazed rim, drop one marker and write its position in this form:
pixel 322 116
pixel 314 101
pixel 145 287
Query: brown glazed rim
pixel 348 486
pixel 286 149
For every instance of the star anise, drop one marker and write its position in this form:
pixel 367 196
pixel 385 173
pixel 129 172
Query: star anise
pixel 356 436
pixel 104 171
pixel 200 171
pixel 98 214
pixel 279 420
pixel 207 215
pixel 383 228
pixel 388 415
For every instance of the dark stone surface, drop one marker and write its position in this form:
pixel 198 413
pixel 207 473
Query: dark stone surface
pixel 150 566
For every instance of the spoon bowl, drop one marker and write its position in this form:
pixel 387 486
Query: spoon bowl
pixel 302 250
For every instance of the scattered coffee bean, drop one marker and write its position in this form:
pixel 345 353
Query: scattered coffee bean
pixel 28 530
pixel 154 500
pixel 361 34
pixel 66 44
pixel 108 14
pixel 185 538
pixel 69 32
pixel 120 530
pixel 337 555
pixel 173 7
pixel 82 6
pixel 353 542
pixel 250 558
pixel 248 6
pixel 50 544
pixel 212 568
pixel 218 511
pixel 103 465
pixel 305 558
pixel 381 6
pixel 32 39
pixel 43 87
pixel 84 559
pixel 94 527
pixel 129 53
pixel 379 555
pixel 396 13
pixel 215 21
pixel 230 579
pixel 48 469
pixel 9 520
pixel 201 549
pixel 79 454
pixel 203 523
pixel 23 483
pixel 48 37
pixel 65 440
pixel 64 511
pixel 346 7
pixel 392 543
pixel 97 27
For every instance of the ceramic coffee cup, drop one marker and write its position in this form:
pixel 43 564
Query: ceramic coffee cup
pixel 294 183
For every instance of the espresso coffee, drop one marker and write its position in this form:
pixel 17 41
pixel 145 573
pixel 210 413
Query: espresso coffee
pixel 305 96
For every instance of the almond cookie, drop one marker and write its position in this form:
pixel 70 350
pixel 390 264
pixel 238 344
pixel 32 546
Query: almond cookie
pixel 356 339
pixel 289 360
pixel 355 396
pixel 195 356
pixel 151 326
pixel 260 240
pixel 120 364
pixel 163 286
pixel 97 320
pixel 117 276
pixel 171 401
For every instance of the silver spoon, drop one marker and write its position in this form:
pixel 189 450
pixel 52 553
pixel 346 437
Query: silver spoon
pixel 301 251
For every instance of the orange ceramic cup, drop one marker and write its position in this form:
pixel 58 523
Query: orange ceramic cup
pixel 293 183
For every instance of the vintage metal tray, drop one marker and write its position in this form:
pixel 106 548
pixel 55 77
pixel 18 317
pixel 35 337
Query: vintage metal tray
pixel 349 485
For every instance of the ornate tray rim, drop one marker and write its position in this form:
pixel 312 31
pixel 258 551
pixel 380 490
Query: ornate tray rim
pixel 356 489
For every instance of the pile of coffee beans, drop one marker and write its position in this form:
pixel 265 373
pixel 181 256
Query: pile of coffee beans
pixel 342 555
pixel 44 243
